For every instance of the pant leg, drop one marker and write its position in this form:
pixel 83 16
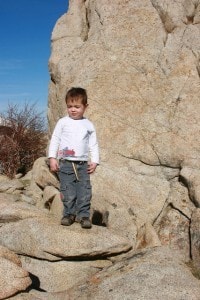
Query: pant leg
pixel 84 192
pixel 67 188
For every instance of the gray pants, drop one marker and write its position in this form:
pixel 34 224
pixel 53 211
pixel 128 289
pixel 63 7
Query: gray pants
pixel 75 194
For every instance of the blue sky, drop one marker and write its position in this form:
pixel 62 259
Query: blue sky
pixel 25 31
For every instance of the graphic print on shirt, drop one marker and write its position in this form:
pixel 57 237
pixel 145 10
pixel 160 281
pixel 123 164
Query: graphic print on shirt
pixel 74 140
pixel 66 152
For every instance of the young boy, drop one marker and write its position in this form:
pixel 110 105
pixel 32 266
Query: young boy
pixel 73 140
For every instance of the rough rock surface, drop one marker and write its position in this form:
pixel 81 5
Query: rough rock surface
pixel 64 272
pixel 60 263
pixel 34 247
pixel 147 275
pixel 44 239
pixel 13 278
pixel 140 63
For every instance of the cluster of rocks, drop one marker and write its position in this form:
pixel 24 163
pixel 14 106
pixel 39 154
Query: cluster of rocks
pixel 140 63
pixel 40 259
pixel 36 251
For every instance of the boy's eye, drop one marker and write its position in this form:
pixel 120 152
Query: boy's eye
pixel 71 106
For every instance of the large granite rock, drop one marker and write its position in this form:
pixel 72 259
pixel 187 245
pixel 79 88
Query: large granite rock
pixel 61 275
pixel 44 239
pixel 139 61
pixel 154 274
pixel 13 278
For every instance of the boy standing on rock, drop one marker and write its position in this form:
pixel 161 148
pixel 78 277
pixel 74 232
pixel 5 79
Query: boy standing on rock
pixel 73 140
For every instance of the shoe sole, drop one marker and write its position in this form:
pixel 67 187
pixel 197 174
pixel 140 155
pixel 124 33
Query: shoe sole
pixel 86 226
pixel 67 222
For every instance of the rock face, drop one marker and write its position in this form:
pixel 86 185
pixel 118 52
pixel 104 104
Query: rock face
pixel 40 259
pixel 139 61
pixel 13 278
pixel 148 275
pixel 37 254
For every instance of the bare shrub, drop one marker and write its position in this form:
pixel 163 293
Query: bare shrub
pixel 9 154
pixel 24 141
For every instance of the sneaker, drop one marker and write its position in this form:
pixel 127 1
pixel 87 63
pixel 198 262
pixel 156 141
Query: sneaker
pixel 85 223
pixel 68 220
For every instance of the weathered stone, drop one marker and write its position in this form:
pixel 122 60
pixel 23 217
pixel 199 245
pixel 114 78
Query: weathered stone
pixel 154 274
pixel 59 276
pixel 11 186
pixel 12 212
pixel 19 175
pixel 133 187
pixel 27 296
pixel 35 192
pixel 191 177
pixel 38 295
pixel 147 237
pixel 9 197
pixel 121 221
pixel 12 278
pixel 4 178
pixel 27 199
pixel 26 179
pixel 139 61
pixel 48 196
pixel 173 230
pixel 41 175
pixel 143 95
pixel 56 208
pixel 9 255
pixel 47 240
pixel 179 198
pixel 195 237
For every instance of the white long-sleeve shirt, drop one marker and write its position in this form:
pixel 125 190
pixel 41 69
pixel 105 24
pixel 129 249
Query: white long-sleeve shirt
pixel 74 140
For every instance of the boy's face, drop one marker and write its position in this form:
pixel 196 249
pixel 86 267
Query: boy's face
pixel 76 109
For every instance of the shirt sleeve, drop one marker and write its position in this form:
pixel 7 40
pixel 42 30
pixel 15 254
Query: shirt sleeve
pixel 94 147
pixel 55 140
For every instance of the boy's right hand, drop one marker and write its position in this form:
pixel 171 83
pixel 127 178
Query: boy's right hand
pixel 54 166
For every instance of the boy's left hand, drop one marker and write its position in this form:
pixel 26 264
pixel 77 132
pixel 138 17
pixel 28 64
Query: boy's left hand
pixel 92 167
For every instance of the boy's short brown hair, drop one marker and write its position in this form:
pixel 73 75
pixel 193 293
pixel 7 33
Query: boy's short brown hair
pixel 76 93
